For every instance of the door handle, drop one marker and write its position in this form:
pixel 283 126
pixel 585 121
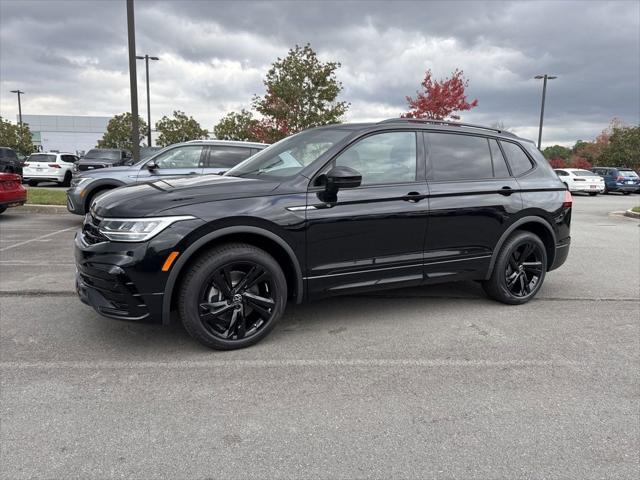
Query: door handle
pixel 413 197
pixel 506 190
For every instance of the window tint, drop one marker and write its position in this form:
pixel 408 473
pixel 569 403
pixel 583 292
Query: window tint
pixel 561 173
pixel 180 157
pixel 500 169
pixel 459 157
pixel 41 157
pixel 383 158
pixel 68 158
pixel 518 160
pixel 226 157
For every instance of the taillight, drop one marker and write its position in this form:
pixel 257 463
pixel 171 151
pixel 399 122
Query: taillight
pixel 568 200
pixel 620 178
pixel 54 165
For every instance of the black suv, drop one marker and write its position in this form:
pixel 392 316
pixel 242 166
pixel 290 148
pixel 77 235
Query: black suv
pixel 332 210
pixel 9 161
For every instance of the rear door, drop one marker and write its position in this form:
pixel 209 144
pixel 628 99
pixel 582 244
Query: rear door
pixel 220 158
pixel 178 161
pixel 370 236
pixel 472 198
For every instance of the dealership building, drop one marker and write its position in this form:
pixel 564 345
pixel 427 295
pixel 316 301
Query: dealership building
pixel 66 133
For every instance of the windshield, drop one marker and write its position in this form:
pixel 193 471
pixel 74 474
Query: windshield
pixel 584 173
pixel 290 155
pixel 41 157
pixel 110 154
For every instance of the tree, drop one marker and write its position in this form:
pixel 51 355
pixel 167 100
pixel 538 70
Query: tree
pixel 118 134
pixel 556 151
pixel 579 162
pixel 440 99
pixel 237 126
pixel 557 162
pixel 301 92
pixel 180 128
pixel 623 148
pixel 17 137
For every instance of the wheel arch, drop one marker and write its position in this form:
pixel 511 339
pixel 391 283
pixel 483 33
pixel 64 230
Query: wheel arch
pixel 101 186
pixel 535 225
pixel 260 237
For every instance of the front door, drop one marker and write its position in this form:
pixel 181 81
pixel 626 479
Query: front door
pixel 181 160
pixel 369 236
pixel 472 198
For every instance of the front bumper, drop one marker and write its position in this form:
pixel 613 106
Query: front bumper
pixel 75 201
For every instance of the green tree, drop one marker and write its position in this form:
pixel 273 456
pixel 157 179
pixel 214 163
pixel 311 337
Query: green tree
pixel 301 92
pixel 118 134
pixel 556 151
pixel 180 128
pixel 237 126
pixel 623 148
pixel 17 137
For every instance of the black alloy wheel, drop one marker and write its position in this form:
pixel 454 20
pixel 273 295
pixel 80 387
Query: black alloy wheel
pixel 519 269
pixel 232 296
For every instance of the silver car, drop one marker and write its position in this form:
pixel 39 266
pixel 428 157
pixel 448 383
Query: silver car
pixel 196 157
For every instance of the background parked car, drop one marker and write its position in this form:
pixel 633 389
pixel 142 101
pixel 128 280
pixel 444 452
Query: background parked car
pixel 618 179
pixel 9 161
pixel 189 158
pixel 12 193
pixel 579 180
pixel 102 158
pixel 49 167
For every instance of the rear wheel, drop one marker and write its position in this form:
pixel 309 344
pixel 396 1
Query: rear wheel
pixel 519 269
pixel 67 179
pixel 626 193
pixel 593 194
pixel 232 296
pixel 33 183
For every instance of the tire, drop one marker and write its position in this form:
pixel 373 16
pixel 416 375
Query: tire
pixel 509 263
pixel 220 281
pixel 33 183
pixel 593 194
pixel 626 193
pixel 67 180
pixel 92 196
pixel 2 210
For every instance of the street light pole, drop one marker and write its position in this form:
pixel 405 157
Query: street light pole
pixel 146 59
pixel 133 82
pixel 19 92
pixel 544 95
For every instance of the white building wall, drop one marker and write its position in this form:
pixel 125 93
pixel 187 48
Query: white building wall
pixel 67 132
pixel 73 142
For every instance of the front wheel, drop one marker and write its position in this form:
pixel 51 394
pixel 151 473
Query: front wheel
pixel 67 180
pixel 232 296
pixel 519 269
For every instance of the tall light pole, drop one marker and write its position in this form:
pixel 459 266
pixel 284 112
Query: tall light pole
pixel 133 82
pixel 544 94
pixel 19 92
pixel 146 59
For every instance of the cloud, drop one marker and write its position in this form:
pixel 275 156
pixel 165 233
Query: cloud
pixel 71 57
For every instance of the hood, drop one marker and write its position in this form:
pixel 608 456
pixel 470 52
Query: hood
pixel 153 198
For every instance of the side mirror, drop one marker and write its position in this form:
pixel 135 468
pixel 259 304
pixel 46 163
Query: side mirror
pixel 343 177
pixel 151 165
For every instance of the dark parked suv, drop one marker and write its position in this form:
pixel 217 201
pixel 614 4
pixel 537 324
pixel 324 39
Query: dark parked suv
pixel 333 210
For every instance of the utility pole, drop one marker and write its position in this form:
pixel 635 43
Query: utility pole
pixel 146 59
pixel 19 92
pixel 133 82
pixel 544 94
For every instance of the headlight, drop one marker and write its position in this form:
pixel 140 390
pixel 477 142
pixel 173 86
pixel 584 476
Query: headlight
pixel 137 229
pixel 77 181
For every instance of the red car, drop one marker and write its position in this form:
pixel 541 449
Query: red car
pixel 12 193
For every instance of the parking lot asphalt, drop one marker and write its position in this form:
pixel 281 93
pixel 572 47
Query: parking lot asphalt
pixel 435 382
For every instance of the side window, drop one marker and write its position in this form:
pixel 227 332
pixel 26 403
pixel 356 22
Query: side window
pixel 561 173
pixel 226 157
pixel 383 158
pixel 518 160
pixel 500 169
pixel 68 158
pixel 456 157
pixel 180 157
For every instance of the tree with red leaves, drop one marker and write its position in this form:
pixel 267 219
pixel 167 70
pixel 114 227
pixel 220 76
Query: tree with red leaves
pixel 557 162
pixel 440 98
pixel 579 162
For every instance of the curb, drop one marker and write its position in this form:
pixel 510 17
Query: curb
pixel 629 213
pixel 33 208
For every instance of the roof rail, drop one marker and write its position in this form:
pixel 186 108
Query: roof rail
pixel 445 122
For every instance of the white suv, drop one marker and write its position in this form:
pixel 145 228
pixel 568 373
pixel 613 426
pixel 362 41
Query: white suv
pixel 49 167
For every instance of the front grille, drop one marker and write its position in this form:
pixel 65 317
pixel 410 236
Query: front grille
pixel 84 168
pixel 91 232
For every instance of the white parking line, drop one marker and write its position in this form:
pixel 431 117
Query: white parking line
pixel 313 363
pixel 41 237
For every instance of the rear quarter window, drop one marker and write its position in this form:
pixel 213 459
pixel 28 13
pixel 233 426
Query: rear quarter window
pixel 518 160
pixel 455 157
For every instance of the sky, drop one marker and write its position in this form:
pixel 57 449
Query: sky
pixel 70 57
